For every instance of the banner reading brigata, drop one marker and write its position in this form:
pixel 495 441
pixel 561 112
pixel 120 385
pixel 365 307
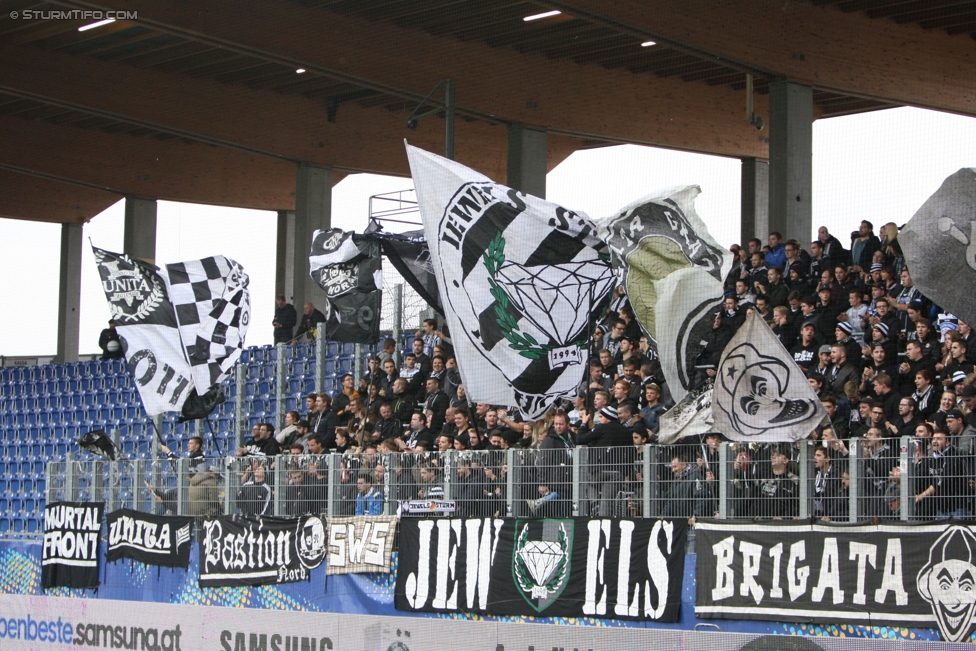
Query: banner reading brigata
pixel 555 568
pixel 242 550
pixel 152 539
pixel 70 555
pixel 909 574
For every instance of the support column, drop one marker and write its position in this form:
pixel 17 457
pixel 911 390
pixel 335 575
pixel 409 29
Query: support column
pixel 790 159
pixel 755 200
pixel 139 238
pixel 313 211
pixel 528 151
pixel 285 259
pixel 69 294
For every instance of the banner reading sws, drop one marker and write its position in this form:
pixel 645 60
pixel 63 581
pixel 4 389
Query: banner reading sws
pixel 619 568
pixel 863 574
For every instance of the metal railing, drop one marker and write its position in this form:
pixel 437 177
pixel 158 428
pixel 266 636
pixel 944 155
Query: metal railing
pixel 894 479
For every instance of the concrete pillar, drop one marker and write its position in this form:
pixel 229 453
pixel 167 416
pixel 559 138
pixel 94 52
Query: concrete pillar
pixel 69 293
pixel 528 151
pixel 139 238
pixel 790 159
pixel 313 211
pixel 285 259
pixel 755 200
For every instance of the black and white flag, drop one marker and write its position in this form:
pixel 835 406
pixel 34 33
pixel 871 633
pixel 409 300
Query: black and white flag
pixel 152 539
pixel 520 280
pixel 409 254
pixel 760 393
pixel 213 310
pixel 147 325
pixel 348 268
pixel 245 550
pixel 939 242
pixel 673 272
pixel 70 554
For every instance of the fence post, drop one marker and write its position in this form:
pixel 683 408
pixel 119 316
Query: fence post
pixel 113 473
pixel 70 482
pixel 387 483
pixel 450 466
pixel 577 469
pixel 510 483
pixel 240 424
pixel 320 358
pixel 804 481
pixel 182 485
pixel 398 320
pixel 906 500
pixel 228 469
pixel 724 479
pixel 281 379
pixel 279 481
pixel 854 474
pixel 646 483
pixel 333 484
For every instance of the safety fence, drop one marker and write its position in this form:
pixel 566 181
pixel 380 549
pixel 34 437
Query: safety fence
pixel 904 479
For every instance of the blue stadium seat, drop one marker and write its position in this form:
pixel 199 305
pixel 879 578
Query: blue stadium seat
pixel 331 348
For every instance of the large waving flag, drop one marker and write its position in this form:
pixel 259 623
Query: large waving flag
pixel 673 271
pixel 939 242
pixel 520 280
pixel 349 269
pixel 146 322
pixel 760 393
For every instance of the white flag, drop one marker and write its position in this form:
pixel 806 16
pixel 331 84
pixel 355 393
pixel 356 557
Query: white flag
pixel 520 279
pixel 760 393
pixel 673 271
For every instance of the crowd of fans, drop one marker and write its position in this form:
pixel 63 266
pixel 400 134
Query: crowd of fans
pixel 884 360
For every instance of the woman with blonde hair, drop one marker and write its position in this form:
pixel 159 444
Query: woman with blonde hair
pixel 891 247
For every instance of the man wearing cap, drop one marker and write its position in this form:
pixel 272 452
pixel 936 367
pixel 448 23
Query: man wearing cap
pixel 608 433
pixel 963 435
pixel 844 335
pixel 863 421
pixel 822 367
pixel 806 350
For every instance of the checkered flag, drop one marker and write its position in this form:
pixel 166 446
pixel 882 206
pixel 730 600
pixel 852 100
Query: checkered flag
pixel 213 309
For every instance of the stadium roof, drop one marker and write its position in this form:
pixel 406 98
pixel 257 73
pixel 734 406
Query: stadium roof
pixel 217 101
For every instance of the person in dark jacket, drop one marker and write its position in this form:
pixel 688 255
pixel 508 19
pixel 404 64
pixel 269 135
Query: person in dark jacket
pixel 254 495
pixel 285 318
pixel 310 318
pixel 554 469
pixel 863 245
pixel 609 433
pixel 687 494
pixel 110 343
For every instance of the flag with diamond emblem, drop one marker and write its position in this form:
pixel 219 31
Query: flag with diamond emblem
pixel 520 280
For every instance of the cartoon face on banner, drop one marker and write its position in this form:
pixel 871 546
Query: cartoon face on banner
pixel 752 390
pixel 948 582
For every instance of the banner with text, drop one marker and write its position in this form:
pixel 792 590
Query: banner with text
pixel 70 555
pixel 360 544
pixel 242 550
pixel 907 574
pixel 552 568
pixel 151 539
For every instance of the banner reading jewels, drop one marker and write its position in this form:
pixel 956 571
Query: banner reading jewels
pixel 554 568
pixel 907 574
pixel 260 550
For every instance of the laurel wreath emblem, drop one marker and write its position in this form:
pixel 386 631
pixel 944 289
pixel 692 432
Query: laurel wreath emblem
pixel 522 342
pixel 522 575
pixel 145 307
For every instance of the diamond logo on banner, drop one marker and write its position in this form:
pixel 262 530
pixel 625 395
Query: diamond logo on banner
pixel 541 567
